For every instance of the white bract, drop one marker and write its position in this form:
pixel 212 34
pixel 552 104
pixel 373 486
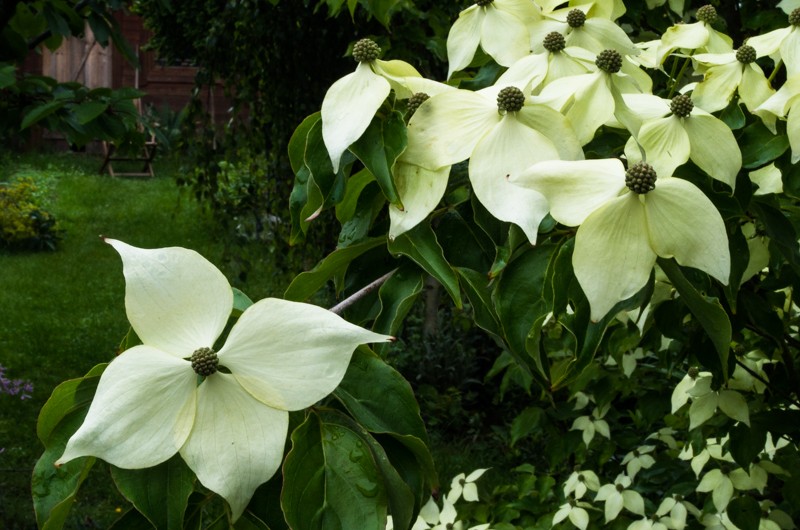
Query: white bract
pixel 623 232
pixel 463 486
pixel 725 74
pixel 575 512
pixel 458 124
pixel 785 103
pixel 669 140
pixel 352 101
pixel 229 426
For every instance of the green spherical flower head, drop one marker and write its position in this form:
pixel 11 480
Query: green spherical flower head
pixel 640 178
pixel 706 14
pixel 204 361
pixel 746 54
pixel 681 106
pixel 576 18
pixel 609 61
pixel 620 488
pixel 510 99
pixel 554 42
pixel 483 3
pixel 794 17
pixel 365 51
pixel 415 101
pixel 693 372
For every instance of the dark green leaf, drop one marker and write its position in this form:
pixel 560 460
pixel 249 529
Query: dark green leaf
pixel 41 112
pixel 307 283
pixel 160 493
pixel 378 149
pixel 759 146
pixel 746 443
pixel 745 513
pixel 397 295
pixel 706 310
pixel 420 244
pixel 86 112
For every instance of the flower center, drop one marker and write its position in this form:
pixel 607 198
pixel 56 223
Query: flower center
pixel 576 18
pixel 794 17
pixel 414 102
pixel 365 51
pixel 706 14
pixel 204 361
pixel 620 488
pixel 681 106
pixel 609 61
pixel 693 372
pixel 484 3
pixel 640 178
pixel 510 99
pixel 746 54
pixel 554 42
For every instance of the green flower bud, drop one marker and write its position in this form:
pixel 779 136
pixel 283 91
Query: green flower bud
pixel 794 17
pixel 576 18
pixel 204 361
pixel 510 99
pixel 365 51
pixel 681 106
pixel 640 178
pixel 746 54
pixel 706 14
pixel 609 61
pixel 554 42
pixel 414 102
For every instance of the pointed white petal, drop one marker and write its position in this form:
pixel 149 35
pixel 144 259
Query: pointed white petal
pixel 714 149
pixel 164 305
pixel 665 143
pixel 770 42
pixel 579 517
pixel 754 89
pixel 503 36
pixel 684 223
pixel 463 39
pixel 768 179
pixel 290 355
pixel 647 106
pixel 470 492
pixel 793 130
pixel 475 475
pixel 142 412
pixel 612 258
pixel 526 74
pixel 574 189
pixel 348 108
pixel 507 149
pixel 445 130
pixel 236 443
pixel 555 126
pixel 718 85
pixel 613 506
pixel 592 106
pixel 398 73
pixel 598 34
pixel 420 191
pixel 790 52
pixel 633 502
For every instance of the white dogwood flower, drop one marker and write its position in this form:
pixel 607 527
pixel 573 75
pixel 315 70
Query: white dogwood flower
pixel 627 220
pixel 224 411
pixel 352 101
pixel 617 496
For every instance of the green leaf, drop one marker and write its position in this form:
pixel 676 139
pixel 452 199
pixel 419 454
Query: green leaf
pixel 54 489
pixel 131 520
pixel 240 302
pixel 476 287
pixel 759 146
pixel 746 443
pixel 745 513
pixel 307 283
pixel 420 244
pixel 525 423
pixel 397 296
pixel 378 149
pixel 346 209
pixel 331 478
pixel 41 112
pixel 86 112
pixel 160 493
pixel 733 116
pixel 7 75
pixel 706 310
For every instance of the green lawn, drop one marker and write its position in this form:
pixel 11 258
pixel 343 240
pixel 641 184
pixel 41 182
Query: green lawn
pixel 62 312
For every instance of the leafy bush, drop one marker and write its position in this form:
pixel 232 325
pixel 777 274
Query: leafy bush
pixel 24 223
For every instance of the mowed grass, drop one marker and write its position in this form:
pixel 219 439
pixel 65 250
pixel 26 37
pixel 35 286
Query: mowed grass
pixel 63 312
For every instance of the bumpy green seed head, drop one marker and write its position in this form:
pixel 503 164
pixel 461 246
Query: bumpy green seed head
pixel 706 14
pixel 681 105
pixel 554 42
pixel 415 101
pixel 640 178
pixel 484 3
pixel 365 51
pixel 510 99
pixel 204 361
pixel 693 372
pixel 576 18
pixel 609 61
pixel 794 17
pixel 746 54
pixel 620 488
